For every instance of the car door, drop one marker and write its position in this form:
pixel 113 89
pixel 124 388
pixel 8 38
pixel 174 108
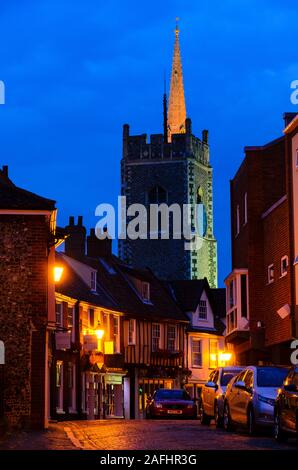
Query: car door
pixel 292 402
pixel 234 397
pixel 245 397
pixel 207 396
pixel 212 393
pixel 239 400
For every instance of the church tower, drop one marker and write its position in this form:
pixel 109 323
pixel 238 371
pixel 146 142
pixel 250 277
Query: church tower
pixel 171 168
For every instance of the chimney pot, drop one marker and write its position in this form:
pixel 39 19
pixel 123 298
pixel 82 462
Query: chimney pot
pixel 80 221
pixel 5 170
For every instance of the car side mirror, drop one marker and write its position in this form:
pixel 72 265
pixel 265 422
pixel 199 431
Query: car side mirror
pixel 211 385
pixel 291 388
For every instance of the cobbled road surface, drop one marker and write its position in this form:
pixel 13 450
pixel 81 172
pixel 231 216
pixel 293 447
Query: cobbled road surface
pixel 139 434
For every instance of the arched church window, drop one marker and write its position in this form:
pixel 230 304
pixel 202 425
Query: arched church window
pixel 157 195
pixel 199 195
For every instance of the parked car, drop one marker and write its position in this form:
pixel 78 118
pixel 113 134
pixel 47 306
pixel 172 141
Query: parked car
pixel 171 403
pixel 250 397
pixel 286 407
pixel 211 404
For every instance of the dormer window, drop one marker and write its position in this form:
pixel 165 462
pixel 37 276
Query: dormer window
pixel 93 281
pixel 203 310
pixel 146 291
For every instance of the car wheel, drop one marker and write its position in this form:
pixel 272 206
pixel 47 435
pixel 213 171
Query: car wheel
pixel 218 419
pixel 205 419
pixel 279 434
pixel 227 422
pixel 251 423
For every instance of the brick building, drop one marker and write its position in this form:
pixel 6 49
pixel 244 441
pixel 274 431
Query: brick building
pixel 172 168
pixel 261 292
pixel 27 256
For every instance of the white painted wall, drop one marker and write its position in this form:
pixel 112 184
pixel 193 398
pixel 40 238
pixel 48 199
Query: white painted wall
pixel 209 322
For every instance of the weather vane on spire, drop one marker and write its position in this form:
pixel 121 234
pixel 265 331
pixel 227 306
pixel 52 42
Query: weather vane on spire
pixel 177 27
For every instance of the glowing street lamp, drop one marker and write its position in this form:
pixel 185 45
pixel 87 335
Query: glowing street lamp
pixel 58 271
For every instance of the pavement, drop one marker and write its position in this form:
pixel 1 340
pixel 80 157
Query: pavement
pixel 139 434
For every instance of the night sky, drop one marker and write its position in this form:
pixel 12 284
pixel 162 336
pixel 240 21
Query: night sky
pixel 76 71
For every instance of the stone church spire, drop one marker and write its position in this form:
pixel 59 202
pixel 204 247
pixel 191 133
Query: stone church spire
pixel 177 109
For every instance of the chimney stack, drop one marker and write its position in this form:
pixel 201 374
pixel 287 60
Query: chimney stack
pixel 97 248
pixel 75 243
pixel 5 171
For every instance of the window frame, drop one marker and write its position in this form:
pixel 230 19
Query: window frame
pixel 131 340
pixel 60 313
pixel 245 210
pixel 173 327
pixel 155 327
pixel 204 318
pixel 284 272
pixel 213 364
pixel 237 220
pixel 93 281
pixel 270 273
pixel 145 287
pixel 199 365
pixel 90 325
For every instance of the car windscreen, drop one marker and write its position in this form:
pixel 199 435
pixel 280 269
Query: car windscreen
pixel 271 376
pixel 172 395
pixel 227 375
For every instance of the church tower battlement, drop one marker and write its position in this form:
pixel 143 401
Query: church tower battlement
pixel 173 168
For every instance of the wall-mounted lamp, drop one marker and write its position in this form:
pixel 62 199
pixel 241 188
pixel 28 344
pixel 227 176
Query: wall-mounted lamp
pixel 99 331
pixel 58 271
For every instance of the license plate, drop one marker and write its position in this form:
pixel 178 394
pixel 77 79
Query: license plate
pixel 175 412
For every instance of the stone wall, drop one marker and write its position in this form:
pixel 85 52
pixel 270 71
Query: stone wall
pixel 23 312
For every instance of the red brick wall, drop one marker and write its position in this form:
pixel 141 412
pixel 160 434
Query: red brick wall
pixel 277 294
pixel 263 241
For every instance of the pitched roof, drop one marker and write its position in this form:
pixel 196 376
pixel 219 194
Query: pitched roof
pixel 188 294
pixel 73 286
pixel 12 197
pixel 121 284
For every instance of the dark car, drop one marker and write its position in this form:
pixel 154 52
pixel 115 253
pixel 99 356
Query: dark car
pixel 166 403
pixel 286 407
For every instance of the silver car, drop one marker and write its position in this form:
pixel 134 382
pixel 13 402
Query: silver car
pixel 250 397
pixel 211 403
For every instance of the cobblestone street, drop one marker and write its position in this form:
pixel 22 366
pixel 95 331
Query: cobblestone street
pixel 143 435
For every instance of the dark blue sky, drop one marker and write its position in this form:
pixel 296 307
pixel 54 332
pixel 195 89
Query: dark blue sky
pixel 75 71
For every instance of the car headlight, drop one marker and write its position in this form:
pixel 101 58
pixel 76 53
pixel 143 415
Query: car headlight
pixel 158 405
pixel 269 401
pixel 189 406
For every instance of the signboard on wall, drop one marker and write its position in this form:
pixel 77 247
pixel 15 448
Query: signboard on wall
pixel 90 342
pixel 63 340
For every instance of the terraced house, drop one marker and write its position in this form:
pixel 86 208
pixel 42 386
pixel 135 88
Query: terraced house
pixel 262 287
pixel 120 334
